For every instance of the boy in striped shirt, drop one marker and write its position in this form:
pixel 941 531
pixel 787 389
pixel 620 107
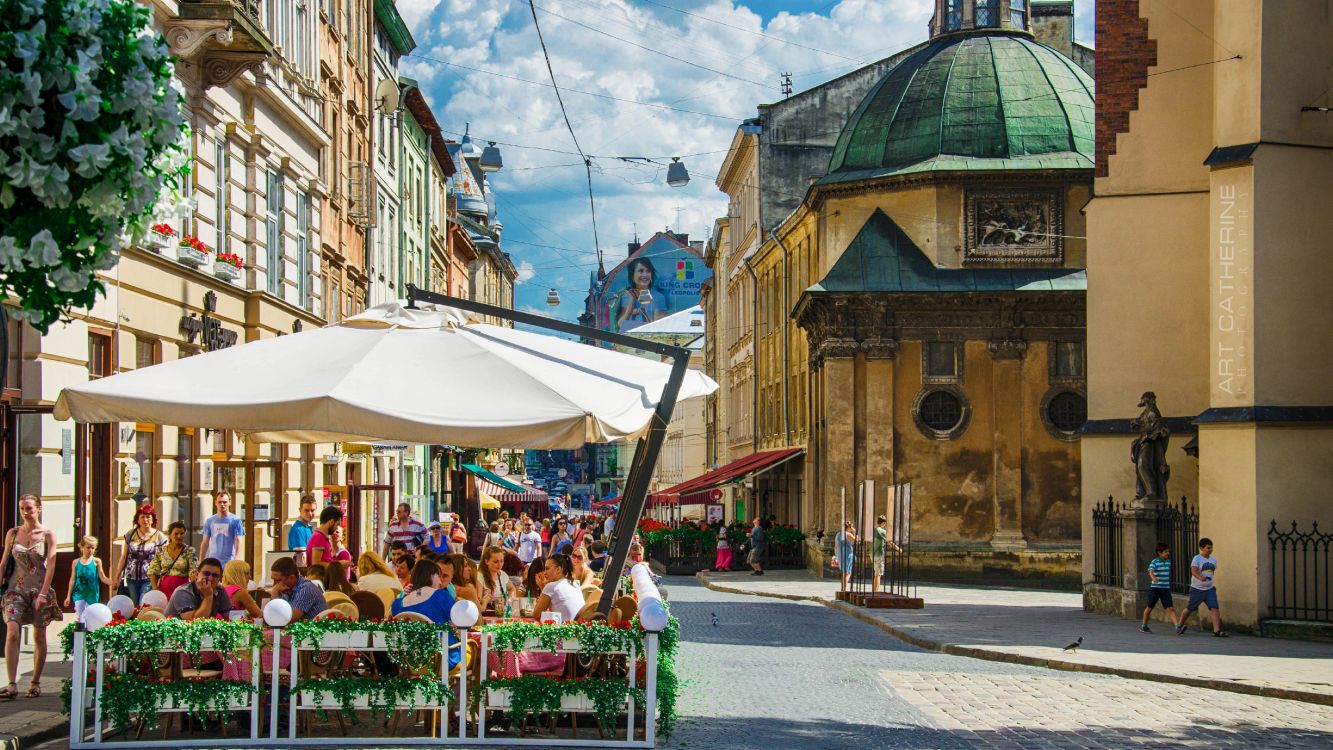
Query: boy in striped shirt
pixel 1159 570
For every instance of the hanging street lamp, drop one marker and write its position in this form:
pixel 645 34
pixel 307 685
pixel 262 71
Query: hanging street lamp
pixel 676 174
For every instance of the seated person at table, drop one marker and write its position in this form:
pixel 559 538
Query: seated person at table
pixel 402 567
pixel 445 567
pixel 598 560
pixel 583 575
pixel 315 574
pixel 201 597
pixel 559 593
pixel 236 582
pixel 429 597
pixel 302 593
pixel 465 579
pixel 397 551
pixel 496 587
pixel 335 578
pixel 372 574
pixel 532 579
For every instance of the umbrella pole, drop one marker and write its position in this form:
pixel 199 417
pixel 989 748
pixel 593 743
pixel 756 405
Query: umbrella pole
pixel 636 484
pixel 648 448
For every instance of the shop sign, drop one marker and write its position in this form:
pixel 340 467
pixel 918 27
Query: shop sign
pixel 207 328
pixel 260 512
pixel 66 451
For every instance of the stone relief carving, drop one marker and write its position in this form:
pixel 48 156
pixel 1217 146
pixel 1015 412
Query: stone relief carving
pixel 1023 226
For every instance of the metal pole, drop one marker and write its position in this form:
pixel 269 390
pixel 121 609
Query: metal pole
pixel 645 455
pixel 636 484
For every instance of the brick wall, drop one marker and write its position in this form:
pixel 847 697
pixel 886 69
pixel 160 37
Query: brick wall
pixel 1124 54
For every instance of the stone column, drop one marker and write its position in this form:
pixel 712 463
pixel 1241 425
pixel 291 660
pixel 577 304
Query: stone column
pixel 879 466
pixel 1007 453
pixel 840 411
pixel 1138 546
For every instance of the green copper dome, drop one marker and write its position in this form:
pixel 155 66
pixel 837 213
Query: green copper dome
pixel 971 102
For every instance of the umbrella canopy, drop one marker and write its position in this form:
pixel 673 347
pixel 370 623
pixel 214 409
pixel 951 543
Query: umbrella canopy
pixel 430 375
pixel 488 502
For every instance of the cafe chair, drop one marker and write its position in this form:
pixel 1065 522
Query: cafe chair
pixel 431 669
pixel 368 605
pixel 387 597
pixel 335 597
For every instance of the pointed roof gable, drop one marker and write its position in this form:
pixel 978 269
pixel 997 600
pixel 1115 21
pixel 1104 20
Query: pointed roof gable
pixel 882 258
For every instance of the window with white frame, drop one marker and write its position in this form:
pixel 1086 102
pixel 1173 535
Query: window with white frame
pixel 221 166
pixel 273 226
pixel 303 250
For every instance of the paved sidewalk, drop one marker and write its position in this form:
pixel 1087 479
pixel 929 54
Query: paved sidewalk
pixel 1032 627
pixel 35 720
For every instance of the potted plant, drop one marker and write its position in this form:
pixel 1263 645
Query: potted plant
pixel 192 251
pixel 160 238
pixel 228 266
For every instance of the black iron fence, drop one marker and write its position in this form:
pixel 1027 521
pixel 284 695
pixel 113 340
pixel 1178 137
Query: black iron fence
pixel 691 555
pixel 1176 525
pixel 1107 543
pixel 1301 575
pixel 1179 527
pixel 880 563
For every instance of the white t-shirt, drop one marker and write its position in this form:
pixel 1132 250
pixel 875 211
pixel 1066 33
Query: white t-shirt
pixel 529 546
pixel 609 525
pixel 1206 566
pixel 376 581
pixel 566 598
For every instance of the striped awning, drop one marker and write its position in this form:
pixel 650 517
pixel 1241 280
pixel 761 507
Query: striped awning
pixel 488 483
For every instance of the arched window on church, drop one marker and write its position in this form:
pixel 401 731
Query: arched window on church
pixel 986 14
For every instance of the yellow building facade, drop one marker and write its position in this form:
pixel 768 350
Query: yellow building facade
pixel 1208 284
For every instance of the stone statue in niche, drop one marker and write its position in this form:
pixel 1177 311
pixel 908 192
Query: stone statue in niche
pixel 1014 225
pixel 1148 453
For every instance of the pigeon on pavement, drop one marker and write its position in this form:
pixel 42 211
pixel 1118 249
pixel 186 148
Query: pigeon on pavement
pixel 1073 647
pixel 714 619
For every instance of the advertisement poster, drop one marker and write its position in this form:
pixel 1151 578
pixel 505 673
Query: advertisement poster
pixel 714 513
pixel 661 277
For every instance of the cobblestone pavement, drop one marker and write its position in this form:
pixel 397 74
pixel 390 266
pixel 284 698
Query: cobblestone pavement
pixel 1034 626
pixel 775 674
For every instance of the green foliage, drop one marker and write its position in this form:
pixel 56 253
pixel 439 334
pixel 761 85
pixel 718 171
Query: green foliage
pixel 384 694
pixel 136 637
pixel 534 693
pixel 126 698
pixel 593 637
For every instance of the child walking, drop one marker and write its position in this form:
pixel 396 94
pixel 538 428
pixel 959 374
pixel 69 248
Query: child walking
pixel 1202 568
pixel 1159 570
pixel 84 575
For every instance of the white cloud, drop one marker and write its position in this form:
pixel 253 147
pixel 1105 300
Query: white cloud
pixel 525 272
pixel 544 203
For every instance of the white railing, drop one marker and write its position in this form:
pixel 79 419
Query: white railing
pixel 85 699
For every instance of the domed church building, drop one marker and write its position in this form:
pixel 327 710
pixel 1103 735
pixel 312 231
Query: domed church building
pixel 934 279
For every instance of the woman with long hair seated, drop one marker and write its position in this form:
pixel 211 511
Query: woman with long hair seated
pixel 496 587
pixel 559 592
pixel 465 579
pixel 430 599
pixel 236 581
pixel 335 578
pixel 372 574
pixel 532 578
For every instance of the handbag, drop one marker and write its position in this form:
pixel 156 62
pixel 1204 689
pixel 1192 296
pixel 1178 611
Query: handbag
pixel 9 560
pixel 457 535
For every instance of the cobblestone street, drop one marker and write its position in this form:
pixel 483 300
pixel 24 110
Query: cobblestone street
pixel 793 674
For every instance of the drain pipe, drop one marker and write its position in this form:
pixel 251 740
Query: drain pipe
pixel 786 352
pixel 754 356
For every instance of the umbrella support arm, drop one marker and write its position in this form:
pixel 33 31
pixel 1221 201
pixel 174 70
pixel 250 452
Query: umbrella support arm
pixel 649 447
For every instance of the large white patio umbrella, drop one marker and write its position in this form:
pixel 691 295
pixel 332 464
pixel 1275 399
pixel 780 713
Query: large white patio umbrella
pixel 430 375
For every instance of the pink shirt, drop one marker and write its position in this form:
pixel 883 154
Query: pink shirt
pixel 318 541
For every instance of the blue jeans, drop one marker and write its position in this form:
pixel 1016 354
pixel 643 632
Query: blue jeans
pixel 138 588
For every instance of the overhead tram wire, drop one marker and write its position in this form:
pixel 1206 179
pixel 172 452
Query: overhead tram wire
pixel 566 89
pixel 631 43
pixel 587 163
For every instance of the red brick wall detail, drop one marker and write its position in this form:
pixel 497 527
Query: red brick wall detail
pixel 1124 54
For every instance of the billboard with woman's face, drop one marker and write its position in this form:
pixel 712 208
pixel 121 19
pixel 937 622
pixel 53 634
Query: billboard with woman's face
pixel 662 277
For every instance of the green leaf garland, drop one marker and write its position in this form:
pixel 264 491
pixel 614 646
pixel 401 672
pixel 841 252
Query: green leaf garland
pixel 384 694
pixel 126 698
pixel 535 693
pixel 137 637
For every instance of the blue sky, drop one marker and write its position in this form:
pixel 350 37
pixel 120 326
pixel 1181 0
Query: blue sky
pixel 730 59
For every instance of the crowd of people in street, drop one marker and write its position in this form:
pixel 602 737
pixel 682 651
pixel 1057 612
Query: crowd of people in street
pixel 522 566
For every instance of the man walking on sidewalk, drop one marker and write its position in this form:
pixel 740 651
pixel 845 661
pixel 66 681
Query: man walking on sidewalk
pixel 1201 588
pixel 757 547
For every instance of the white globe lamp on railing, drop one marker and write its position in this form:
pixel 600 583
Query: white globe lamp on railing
pixel 154 598
pixel 122 604
pixel 652 615
pixel 277 613
pixel 464 614
pixel 96 616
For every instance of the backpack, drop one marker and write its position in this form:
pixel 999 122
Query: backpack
pixel 457 534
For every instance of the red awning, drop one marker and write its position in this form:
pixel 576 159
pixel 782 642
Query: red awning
pixel 692 490
pixel 607 502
